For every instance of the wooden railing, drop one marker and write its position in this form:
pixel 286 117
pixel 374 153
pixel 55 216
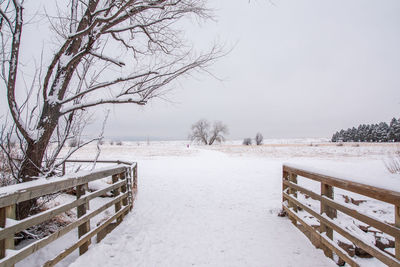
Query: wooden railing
pixel 123 188
pixel 328 212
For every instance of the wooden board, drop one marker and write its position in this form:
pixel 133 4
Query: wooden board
pixel 10 260
pixel 84 239
pixel 30 190
pixel 48 214
pixel 384 227
pixel 372 250
pixel 325 241
pixel 385 195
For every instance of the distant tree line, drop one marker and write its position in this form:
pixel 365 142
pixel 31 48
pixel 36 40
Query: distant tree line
pixel 381 132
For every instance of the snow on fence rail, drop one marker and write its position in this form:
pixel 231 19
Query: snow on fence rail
pixel 328 224
pixel 123 188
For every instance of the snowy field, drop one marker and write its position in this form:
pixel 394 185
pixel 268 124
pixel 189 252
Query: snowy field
pixel 218 205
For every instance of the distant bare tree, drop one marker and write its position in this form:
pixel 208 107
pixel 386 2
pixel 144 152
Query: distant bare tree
pixel 107 52
pixel 247 141
pixel 217 133
pixel 202 133
pixel 259 139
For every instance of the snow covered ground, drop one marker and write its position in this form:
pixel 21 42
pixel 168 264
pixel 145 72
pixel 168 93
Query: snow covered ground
pixel 217 206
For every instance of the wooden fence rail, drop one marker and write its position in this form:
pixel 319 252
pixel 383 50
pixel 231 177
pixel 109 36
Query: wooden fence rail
pixel 328 224
pixel 123 189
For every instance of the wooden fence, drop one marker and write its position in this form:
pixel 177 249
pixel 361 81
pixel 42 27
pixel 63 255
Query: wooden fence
pixel 328 212
pixel 123 189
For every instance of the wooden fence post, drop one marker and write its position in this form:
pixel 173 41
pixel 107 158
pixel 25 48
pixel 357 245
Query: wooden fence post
pixel 135 175
pixel 63 168
pixel 327 191
pixel 397 224
pixel 10 213
pixel 293 192
pixel 85 227
pixel 285 177
pixel 125 202
pixel 2 224
pixel 116 192
pixel 8 243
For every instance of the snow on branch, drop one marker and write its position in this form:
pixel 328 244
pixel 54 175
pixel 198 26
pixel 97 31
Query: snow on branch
pixel 100 102
pixel 109 59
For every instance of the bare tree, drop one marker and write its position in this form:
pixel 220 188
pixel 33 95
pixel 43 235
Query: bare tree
pixel 259 139
pixel 202 133
pixel 217 133
pixel 247 142
pixel 109 52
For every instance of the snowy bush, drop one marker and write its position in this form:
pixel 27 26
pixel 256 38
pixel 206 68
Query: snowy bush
pixel 73 142
pixel 247 141
pixel 259 139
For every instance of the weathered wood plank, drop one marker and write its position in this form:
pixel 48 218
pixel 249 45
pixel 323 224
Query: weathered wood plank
pixel 48 214
pixel 31 248
pixel 30 190
pixel 372 250
pixel 84 239
pixel 101 161
pixel 328 243
pixel 382 226
pixel 385 195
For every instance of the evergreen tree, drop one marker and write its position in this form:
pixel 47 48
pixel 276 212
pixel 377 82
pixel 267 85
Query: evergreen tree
pixel 391 133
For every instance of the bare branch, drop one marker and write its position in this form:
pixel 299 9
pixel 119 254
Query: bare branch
pixel 105 58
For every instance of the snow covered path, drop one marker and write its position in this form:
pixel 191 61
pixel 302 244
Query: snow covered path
pixel 209 209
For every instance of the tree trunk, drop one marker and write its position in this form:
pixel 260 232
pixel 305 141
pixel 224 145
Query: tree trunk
pixel 31 168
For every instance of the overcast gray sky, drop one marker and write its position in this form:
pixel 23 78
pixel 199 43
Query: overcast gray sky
pixel 299 68
pixel 303 68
